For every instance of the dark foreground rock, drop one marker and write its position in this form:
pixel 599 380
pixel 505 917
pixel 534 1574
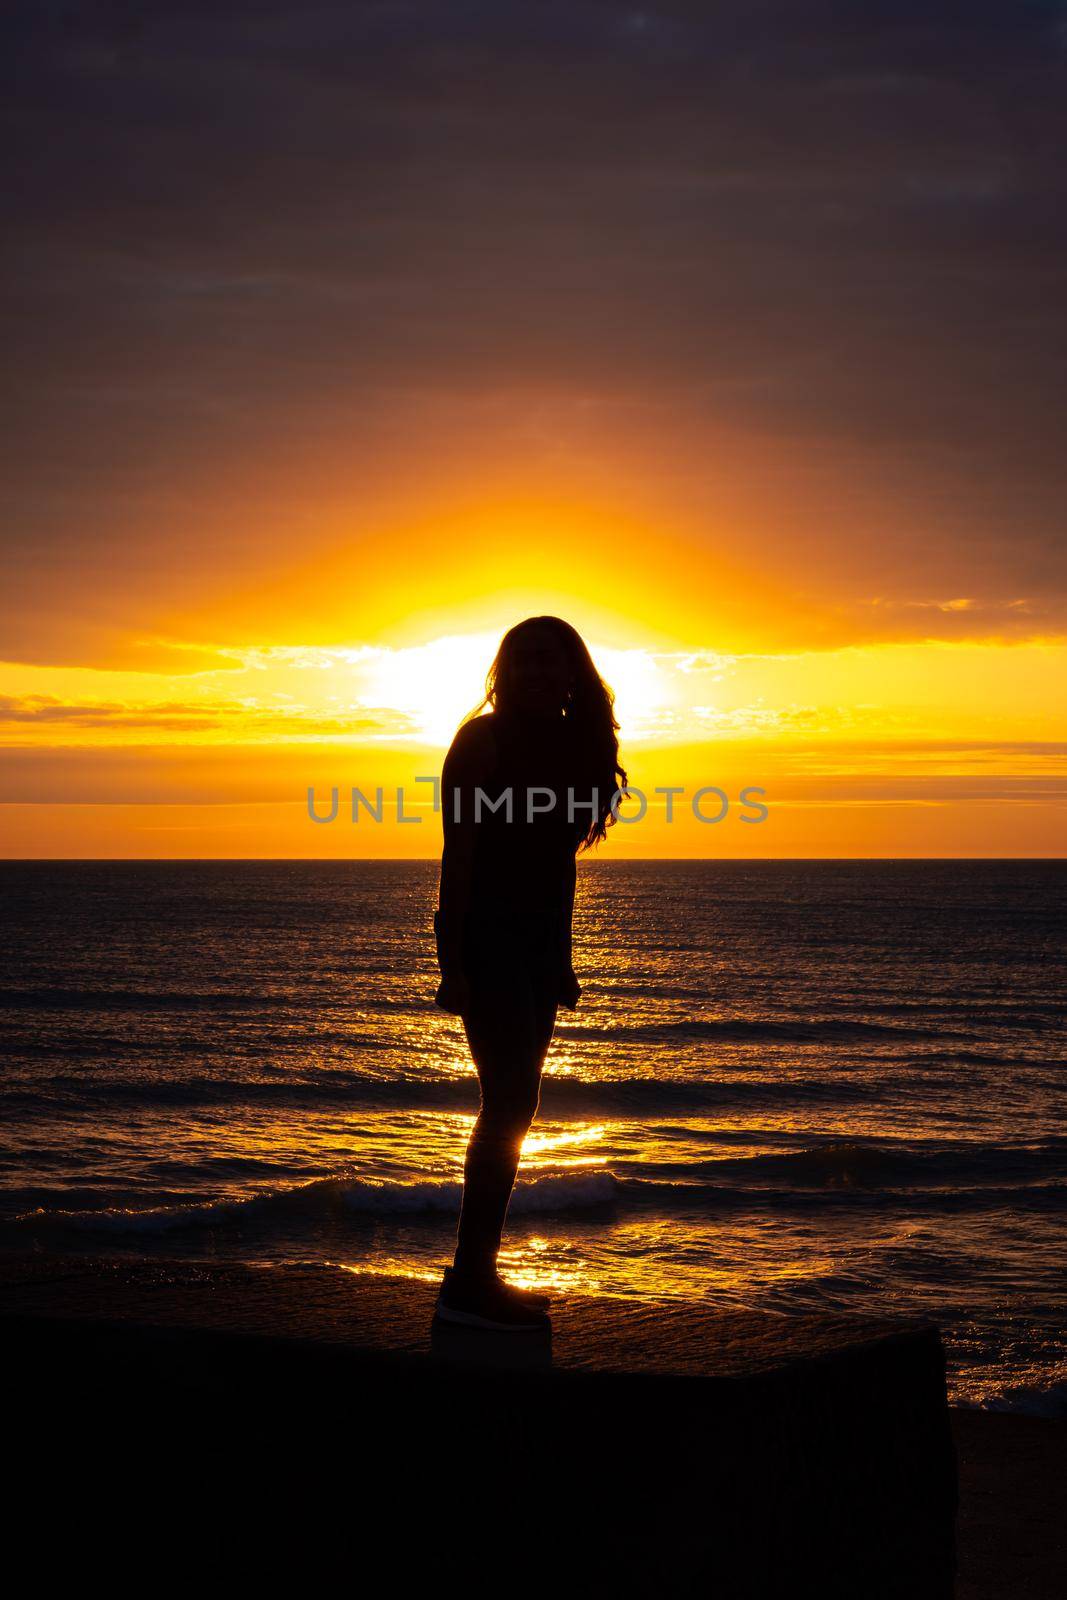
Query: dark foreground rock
pixel 304 1427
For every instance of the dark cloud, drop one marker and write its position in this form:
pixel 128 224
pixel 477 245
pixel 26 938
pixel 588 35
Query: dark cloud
pixel 252 231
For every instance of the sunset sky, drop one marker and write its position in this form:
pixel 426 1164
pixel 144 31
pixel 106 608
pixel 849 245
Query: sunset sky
pixel 340 338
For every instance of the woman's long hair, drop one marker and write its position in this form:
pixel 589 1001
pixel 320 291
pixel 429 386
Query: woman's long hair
pixel 590 708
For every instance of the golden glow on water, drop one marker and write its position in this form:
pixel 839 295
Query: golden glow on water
pixel 529 1266
pixel 537 1146
pixel 386 1266
pixel 739 1269
pixel 562 1063
pixel 535 1264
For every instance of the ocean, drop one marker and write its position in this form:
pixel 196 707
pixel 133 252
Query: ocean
pixel 788 1086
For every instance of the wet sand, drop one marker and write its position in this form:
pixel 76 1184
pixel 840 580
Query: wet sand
pixel 1012 1528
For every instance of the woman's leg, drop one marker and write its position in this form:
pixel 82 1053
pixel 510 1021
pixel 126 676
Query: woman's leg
pixel 509 1030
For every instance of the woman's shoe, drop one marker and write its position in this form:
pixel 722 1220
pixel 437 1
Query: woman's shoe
pixel 530 1297
pixel 487 1302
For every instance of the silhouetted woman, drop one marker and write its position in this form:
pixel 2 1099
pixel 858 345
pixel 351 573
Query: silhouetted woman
pixel 503 922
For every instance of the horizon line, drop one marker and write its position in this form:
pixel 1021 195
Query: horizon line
pixel 407 860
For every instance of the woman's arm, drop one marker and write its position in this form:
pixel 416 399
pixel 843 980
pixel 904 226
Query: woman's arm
pixel 570 988
pixel 569 885
pixel 466 766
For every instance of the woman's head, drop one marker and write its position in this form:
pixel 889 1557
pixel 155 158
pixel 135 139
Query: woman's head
pixel 542 667
pixel 536 667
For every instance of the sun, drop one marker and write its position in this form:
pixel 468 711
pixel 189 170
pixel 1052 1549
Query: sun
pixel 435 685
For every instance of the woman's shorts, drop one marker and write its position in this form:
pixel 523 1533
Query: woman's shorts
pixel 503 950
